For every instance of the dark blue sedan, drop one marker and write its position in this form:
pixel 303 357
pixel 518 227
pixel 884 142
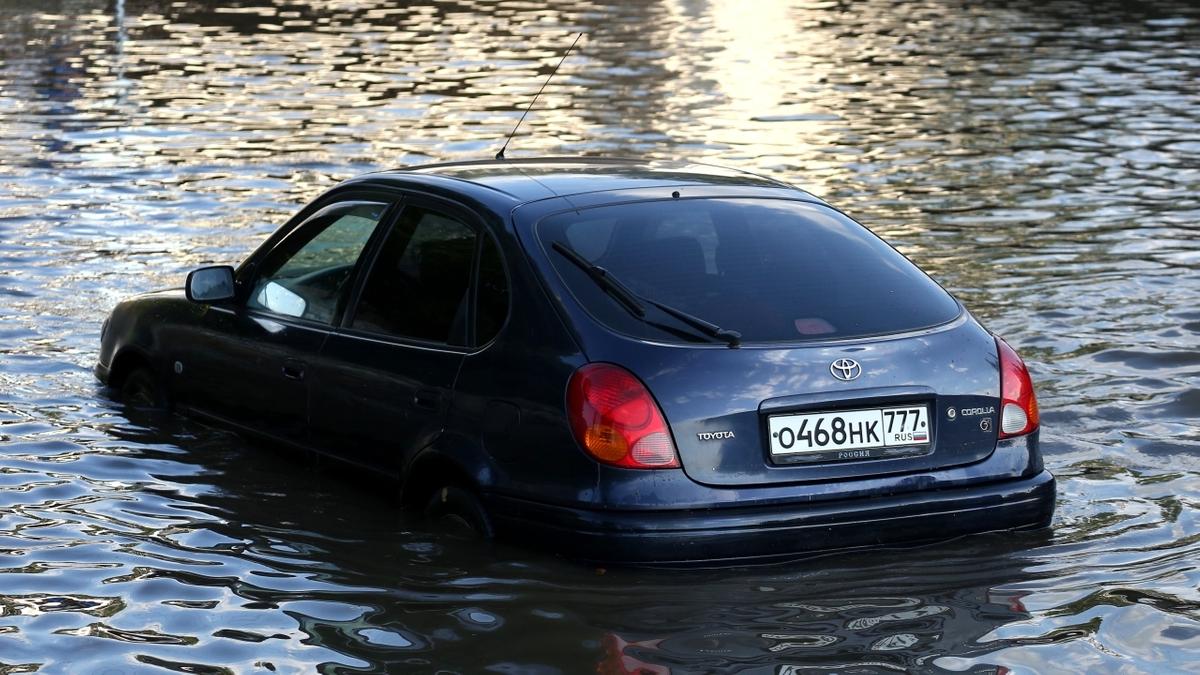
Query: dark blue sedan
pixel 620 361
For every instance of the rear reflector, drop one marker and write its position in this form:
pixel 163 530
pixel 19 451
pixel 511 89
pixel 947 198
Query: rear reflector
pixel 616 421
pixel 1018 403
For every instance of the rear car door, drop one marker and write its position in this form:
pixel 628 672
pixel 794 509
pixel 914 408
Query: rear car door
pixel 251 363
pixel 384 379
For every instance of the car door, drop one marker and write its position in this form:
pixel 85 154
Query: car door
pixel 250 365
pixel 384 378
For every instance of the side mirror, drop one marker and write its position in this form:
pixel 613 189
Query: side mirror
pixel 210 284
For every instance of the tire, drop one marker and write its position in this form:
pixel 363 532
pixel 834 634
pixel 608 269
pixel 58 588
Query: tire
pixel 457 510
pixel 142 390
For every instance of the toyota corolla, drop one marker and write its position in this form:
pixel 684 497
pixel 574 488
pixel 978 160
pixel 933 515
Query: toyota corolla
pixel 620 361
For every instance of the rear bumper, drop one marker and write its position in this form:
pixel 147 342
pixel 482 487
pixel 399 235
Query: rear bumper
pixel 735 534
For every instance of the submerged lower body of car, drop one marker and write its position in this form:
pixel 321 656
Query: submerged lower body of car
pixel 770 523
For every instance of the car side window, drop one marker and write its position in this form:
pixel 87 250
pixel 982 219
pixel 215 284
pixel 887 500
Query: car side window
pixel 418 286
pixel 308 275
pixel 491 300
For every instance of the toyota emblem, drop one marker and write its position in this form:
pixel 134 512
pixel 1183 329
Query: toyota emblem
pixel 845 369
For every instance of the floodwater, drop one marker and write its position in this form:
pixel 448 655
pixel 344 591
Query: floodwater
pixel 1039 158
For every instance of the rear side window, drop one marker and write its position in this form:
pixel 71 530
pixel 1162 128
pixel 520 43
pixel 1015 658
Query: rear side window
pixel 773 270
pixel 492 298
pixel 418 285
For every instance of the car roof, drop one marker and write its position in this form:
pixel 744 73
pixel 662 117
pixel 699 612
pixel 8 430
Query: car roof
pixel 526 180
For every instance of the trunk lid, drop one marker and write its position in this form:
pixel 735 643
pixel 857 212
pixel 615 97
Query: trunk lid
pixel 720 403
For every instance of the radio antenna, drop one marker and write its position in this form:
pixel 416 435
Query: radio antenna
pixel 500 155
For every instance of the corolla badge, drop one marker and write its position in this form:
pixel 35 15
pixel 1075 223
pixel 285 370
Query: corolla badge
pixel 845 369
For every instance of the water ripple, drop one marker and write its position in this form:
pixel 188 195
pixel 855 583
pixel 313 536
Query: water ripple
pixel 1042 160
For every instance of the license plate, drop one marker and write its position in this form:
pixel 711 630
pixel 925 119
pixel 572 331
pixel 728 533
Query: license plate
pixel 850 434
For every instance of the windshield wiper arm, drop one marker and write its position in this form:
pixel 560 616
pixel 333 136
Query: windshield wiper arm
pixel 634 302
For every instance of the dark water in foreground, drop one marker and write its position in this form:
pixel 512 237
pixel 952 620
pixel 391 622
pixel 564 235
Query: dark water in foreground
pixel 1041 159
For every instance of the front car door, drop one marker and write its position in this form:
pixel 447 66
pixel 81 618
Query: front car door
pixel 251 364
pixel 385 378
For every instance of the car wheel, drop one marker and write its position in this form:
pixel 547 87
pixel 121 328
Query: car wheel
pixel 459 511
pixel 141 389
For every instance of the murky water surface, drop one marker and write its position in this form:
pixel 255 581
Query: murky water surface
pixel 1041 159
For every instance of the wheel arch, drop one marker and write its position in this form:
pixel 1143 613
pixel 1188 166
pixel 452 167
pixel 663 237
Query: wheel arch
pixel 436 467
pixel 125 362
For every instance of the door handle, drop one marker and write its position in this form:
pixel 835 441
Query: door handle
pixel 293 369
pixel 430 399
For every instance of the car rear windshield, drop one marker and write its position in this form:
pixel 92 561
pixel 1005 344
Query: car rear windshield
pixel 773 270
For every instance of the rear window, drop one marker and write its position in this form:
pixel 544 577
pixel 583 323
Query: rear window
pixel 773 270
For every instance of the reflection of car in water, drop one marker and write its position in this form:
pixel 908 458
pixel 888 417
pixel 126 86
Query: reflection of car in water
pixel 866 635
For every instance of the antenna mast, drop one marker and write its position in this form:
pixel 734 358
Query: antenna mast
pixel 500 155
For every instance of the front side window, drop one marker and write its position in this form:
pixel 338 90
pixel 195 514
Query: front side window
pixel 418 286
pixel 772 270
pixel 308 275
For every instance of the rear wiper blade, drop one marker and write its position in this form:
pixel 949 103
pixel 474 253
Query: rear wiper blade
pixel 709 328
pixel 636 304
pixel 605 280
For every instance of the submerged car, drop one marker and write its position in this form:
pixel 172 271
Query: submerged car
pixel 617 360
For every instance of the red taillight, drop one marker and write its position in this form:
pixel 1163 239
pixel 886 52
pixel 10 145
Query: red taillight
pixel 616 420
pixel 1018 404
